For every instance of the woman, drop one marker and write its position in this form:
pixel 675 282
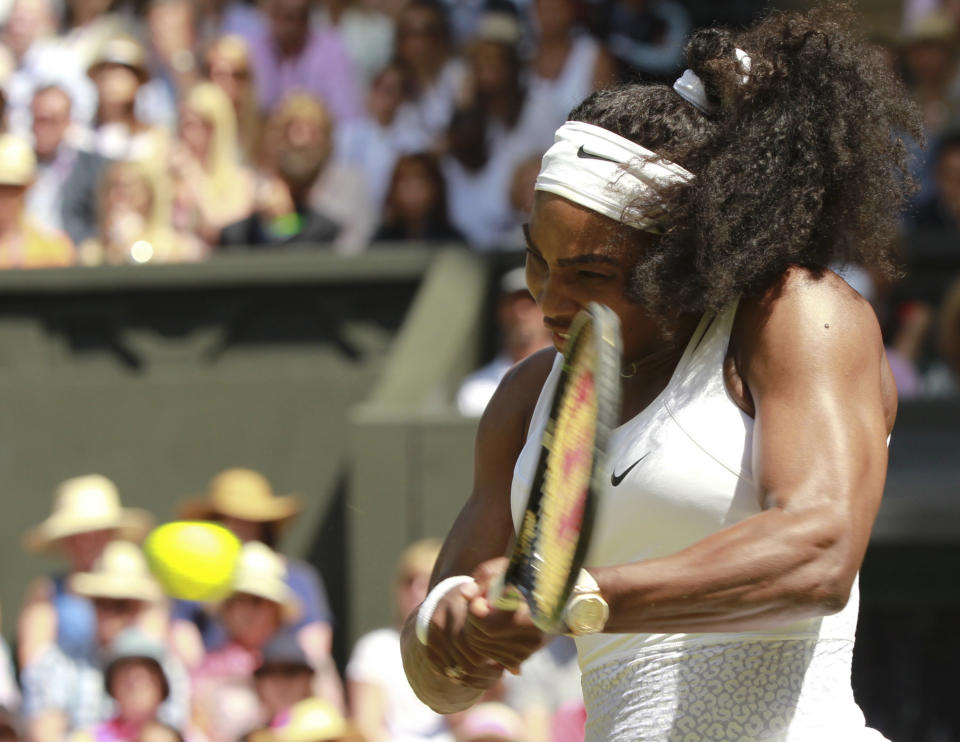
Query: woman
pixel 133 222
pixel 227 63
pixel 757 400
pixel 212 189
pixel 416 203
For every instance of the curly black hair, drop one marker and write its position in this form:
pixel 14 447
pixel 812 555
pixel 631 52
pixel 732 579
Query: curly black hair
pixel 804 164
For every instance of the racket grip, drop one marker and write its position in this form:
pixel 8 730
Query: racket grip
pixel 504 597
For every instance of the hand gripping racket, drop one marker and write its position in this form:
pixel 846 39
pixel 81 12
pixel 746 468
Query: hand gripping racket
pixel 554 534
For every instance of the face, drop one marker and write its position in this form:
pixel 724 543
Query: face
pixel 386 95
pixel 84 10
pixel 137 690
pixel 492 65
pixel 116 84
pixel 289 23
pixel 929 61
pixel 250 620
pixel 126 191
pixel 245 530
pixel 555 17
pixel 419 35
pixel 521 321
pixel 414 191
pixel 51 117
pixel 113 616
pixel 83 549
pixel 575 256
pixel 12 199
pixel 196 132
pixel 232 75
pixel 28 20
pixel 281 686
pixel 170 26
pixel 411 590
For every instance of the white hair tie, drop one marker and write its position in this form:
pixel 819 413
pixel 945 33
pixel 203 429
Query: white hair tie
pixel 609 174
pixel 690 87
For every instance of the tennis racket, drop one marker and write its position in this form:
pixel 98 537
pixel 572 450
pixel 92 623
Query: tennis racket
pixel 554 534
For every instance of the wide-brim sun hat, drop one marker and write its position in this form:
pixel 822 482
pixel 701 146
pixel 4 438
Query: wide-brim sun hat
pixel 262 572
pixel 124 50
pixel 85 504
pixel 314 720
pixel 244 494
pixel 120 573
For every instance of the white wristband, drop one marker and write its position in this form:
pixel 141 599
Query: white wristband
pixel 428 606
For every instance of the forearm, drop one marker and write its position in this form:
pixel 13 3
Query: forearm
pixel 770 569
pixel 437 691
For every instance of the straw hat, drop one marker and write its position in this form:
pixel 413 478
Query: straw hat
pixel 935 26
pixel 314 720
pixel 262 572
pixel 85 504
pixel 244 494
pixel 18 164
pixel 121 572
pixel 124 50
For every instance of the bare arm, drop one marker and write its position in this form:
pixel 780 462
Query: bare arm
pixel 37 624
pixel 811 362
pixel 481 533
pixel 368 709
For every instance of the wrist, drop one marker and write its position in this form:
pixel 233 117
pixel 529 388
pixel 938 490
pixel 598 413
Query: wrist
pixel 429 605
pixel 587 611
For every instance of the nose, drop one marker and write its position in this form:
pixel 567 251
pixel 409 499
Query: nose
pixel 555 301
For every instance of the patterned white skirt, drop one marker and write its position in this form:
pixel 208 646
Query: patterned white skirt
pixel 795 690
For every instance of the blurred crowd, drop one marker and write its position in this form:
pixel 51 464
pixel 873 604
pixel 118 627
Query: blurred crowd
pixel 104 655
pixel 145 131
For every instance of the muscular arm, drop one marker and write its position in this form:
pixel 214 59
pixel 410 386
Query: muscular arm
pixel 811 362
pixel 481 532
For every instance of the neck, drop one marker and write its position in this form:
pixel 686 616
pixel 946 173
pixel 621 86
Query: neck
pixel 647 374
pixel 117 114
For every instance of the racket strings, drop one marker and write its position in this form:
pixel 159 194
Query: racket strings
pixel 566 480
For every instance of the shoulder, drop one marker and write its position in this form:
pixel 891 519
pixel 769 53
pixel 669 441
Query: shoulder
pixel 502 430
pixel 808 326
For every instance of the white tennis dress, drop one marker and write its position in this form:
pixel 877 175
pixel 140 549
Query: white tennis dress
pixel 678 472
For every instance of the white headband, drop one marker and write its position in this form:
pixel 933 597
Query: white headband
pixel 690 87
pixel 608 174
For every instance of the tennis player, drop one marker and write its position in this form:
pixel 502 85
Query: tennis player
pixel 743 481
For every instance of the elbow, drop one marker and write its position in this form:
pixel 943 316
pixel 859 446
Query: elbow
pixel 835 563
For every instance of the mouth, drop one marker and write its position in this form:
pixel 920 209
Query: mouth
pixel 560 340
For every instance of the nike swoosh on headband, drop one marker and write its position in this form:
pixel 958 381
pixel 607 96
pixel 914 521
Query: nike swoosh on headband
pixel 615 478
pixel 584 155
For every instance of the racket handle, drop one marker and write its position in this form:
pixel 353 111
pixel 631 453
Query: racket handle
pixel 504 597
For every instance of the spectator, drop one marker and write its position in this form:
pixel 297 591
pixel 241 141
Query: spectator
pixel 549 681
pixel 87 515
pixel 943 377
pixel 568 64
pixel 304 196
pixel 25 243
pixel 118 72
pixel 435 77
pixel 171 37
pixel 243 501
pixel 284 678
pixel 522 332
pixel 287 55
pixel 647 37
pixel 212 188
pixel 9 692
pixel 384 705
pixel 416 204
pixel 261 604
pixel 63 59
pixel 499 127
pixel 929 56
pixel 217 18
pixel 29 22
pixel 374 140
pixel 133 222
pixel 367 34
pixel 64 193
pixel 65 693
pixel 135 678
pixel 942 208
pixel 227 63
pixel 314 720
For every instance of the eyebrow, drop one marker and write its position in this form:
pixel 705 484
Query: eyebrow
pixel 593 257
